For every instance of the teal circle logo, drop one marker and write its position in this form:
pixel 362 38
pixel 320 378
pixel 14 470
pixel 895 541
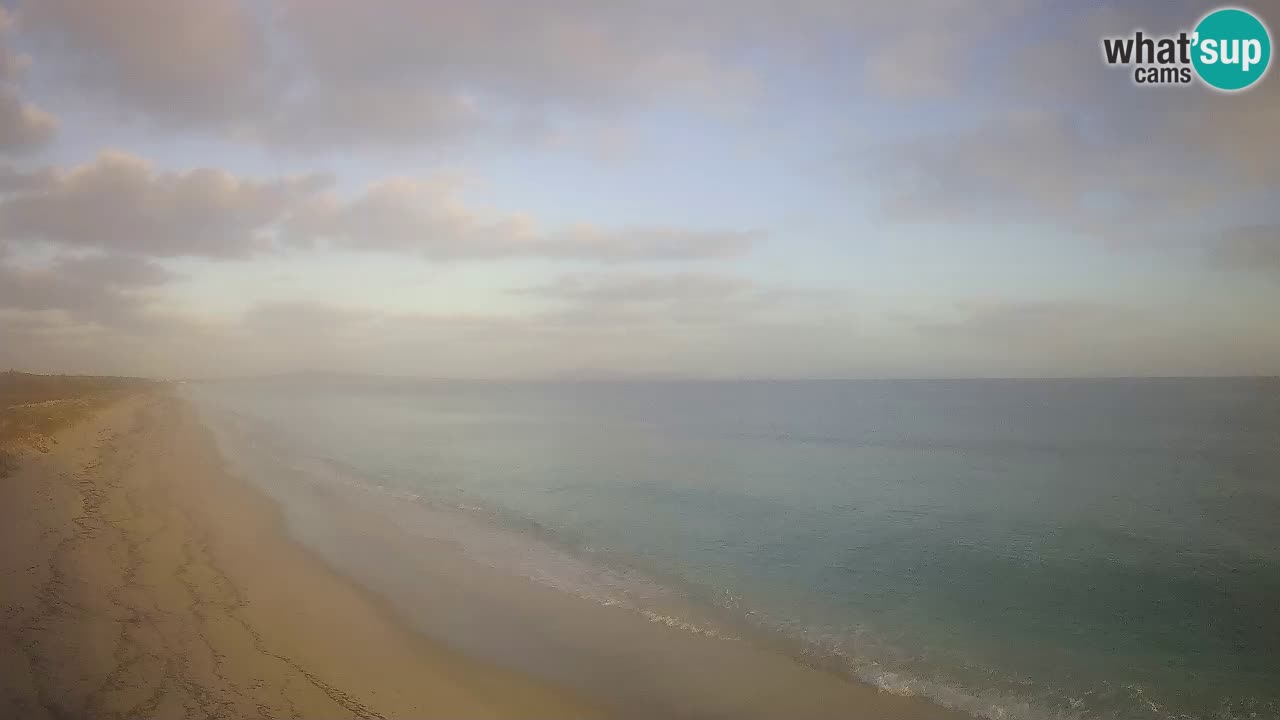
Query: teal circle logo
pixel 1232 49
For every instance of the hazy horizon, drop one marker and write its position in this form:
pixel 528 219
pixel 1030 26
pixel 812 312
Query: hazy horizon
pixel 621 378
pixel 578 190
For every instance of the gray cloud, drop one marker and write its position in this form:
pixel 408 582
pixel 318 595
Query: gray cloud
pixel 310 335
pixel 1255 247
pixel 190 63
pixel 923 49
pixel 668 301
pixel 367 116
pixel 575 54
pixel 291 322
pixel 1042 323
pixel 560 51
pixel 604 321
pixel 408 70
pixel 23 126
pixel 312 72
pixel 1072 338
pixel 1065 144
pixel 605 324
pixel 1069 141
pixel 120 202
pixel 131 342
pixel 1036 165
pixel 100 289
pixel 1022 164
pixel 386 73
pixel 13 179
pixel 116 272
pixel 580 306
pixel 13 65
pixel 1235 134
pixel 432 219
pixel 641 287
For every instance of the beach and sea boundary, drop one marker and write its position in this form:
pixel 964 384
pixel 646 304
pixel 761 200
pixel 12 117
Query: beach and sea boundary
pixel 143 580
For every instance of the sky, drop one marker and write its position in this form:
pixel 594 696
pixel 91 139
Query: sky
pixel 574 188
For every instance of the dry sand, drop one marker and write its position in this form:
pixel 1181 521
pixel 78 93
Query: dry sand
pixel 138 580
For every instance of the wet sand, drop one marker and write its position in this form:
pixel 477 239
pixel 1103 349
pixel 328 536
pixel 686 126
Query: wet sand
pixel 138 580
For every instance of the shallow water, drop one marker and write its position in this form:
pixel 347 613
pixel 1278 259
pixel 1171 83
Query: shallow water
pixel 1018 549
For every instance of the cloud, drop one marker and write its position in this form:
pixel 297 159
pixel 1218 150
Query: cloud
pixel 1019 122
pixel 13 65
pixel 1021 163
pixel 589 325
pixel 401 71
pixel 410 71
pixel 97 289
pixel 1254 247
pixel 640 287
pixel 1068 142
pixel 606 321
pixel 1039 322
pixel 13 179
pixel 561 52
pixel 292 319
pixel 308 73
pixel 1078 173
pixel 23 126
pixel 573 55
pixel 188 63
pixel 924 49
pixel 1070 338
pixel 431 218
pixel 657 301
pixel 1235 134
pixel 306 335
pixel 367 116
pixel 121 202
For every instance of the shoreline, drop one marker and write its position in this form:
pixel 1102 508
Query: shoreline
pixel 634 662
pixel 149 579
pixel 142 580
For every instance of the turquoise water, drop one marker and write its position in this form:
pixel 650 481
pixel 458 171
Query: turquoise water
pixel 1018 549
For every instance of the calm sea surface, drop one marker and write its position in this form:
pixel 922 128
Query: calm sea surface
pixel 1019 549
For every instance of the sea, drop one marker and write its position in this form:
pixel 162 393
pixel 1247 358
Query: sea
pixel 1012 549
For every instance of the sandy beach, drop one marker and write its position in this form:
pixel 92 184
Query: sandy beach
pixel 141 578
pixel 141 581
